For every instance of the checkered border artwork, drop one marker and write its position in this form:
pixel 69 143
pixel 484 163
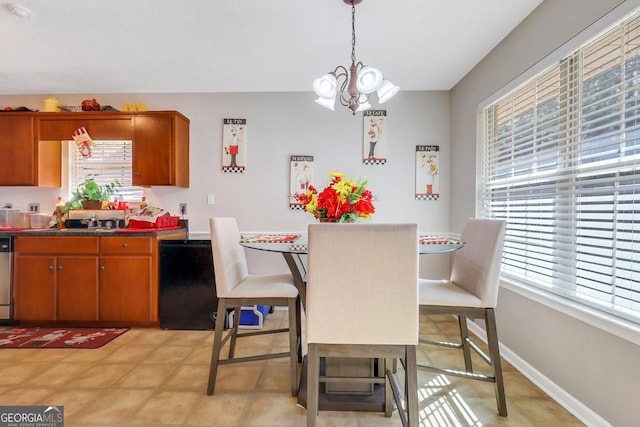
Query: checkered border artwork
pixel 427 164
pixel 374 161
pixel 233 169
pixel 234 145
pixel 374 140
pixel 300 178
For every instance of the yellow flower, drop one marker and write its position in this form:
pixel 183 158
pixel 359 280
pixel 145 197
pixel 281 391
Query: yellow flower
pixel 337 174
pixel 312 206
pixel 343 188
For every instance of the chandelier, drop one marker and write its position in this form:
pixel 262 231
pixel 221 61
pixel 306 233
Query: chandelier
pixel 356 84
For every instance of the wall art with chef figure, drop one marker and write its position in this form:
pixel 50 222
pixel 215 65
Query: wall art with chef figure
pixel 301 175
pixel 427 172
pixel 234 145
pixel 374 143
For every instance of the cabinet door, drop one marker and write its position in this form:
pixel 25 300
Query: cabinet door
pixel 77 288
pixel 152 151
pixel 18 161
pixel 125 288
pixel 35 290
pixel 161 149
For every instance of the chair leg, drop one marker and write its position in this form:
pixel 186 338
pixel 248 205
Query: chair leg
pixel 411 386
pixel 299 328
pixel 388 392
pixel 293 345
pixel 217 340
pixel 313 384
pixel 234 337
pixel 496 364
pixel 466 348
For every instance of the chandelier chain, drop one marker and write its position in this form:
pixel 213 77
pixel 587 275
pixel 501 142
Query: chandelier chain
pixel 353 32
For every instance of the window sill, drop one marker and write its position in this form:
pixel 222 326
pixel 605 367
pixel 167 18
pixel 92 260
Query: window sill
pixel 608 323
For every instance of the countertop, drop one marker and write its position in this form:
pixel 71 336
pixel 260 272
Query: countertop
pixel 91 231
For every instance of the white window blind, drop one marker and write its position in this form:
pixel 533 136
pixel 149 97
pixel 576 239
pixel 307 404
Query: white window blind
pixel 560 161
pixel 110 161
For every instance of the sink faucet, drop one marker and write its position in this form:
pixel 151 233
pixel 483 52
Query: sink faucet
pixel 93 223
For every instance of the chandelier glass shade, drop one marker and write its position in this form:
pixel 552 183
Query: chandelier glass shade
pixel 356 83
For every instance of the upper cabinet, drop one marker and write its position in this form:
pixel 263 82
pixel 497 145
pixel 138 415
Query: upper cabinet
pixel 32 149
pixel 161 149
pixel 24 160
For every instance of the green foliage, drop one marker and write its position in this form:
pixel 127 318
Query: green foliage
pixel 91 190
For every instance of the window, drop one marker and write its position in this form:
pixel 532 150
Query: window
pixel 560 161
pixel 110 160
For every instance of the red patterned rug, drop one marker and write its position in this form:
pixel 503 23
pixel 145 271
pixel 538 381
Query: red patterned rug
pixel 34 337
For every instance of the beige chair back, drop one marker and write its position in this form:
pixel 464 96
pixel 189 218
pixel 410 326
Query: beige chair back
pixel 229 259
pixel 476 267
pixel 362 284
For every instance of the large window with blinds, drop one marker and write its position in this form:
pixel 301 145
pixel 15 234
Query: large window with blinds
pixel 560 161
pixel 109 161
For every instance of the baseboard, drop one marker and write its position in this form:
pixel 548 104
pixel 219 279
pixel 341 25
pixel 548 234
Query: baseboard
pixel 558 394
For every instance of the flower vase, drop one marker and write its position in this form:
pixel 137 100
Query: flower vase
pixel 329 219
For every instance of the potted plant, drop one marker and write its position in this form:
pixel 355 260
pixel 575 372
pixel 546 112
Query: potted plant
pixel 91 195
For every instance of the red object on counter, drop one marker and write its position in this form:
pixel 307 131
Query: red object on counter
pixel 142 230
pixel 161 222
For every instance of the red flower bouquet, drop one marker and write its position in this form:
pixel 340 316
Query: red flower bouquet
pixel 342 200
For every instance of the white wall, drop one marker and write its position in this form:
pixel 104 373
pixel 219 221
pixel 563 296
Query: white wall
pixel 280 125
pixel 598 369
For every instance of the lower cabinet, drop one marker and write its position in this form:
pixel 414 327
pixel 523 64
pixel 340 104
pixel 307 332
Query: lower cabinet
pixel 125 288
pixel 35 299
pixel 56 279
pixel 128 276
pixel 107 280
pixel 77 288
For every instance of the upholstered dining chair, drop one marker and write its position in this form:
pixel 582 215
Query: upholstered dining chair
pixel 235 288
pixel 362 302
pixel 471 292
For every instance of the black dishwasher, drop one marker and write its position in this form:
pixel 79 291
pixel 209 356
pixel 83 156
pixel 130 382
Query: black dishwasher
pixel 187 285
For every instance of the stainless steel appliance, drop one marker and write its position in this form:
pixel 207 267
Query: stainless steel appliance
pixel 6 297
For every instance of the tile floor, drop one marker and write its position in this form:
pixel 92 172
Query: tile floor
pixel 153 377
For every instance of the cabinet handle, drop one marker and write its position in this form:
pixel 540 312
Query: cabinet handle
pixel 137 173
pixel 124 245
pixel 102 267
pixel 51 267
pixel 59 267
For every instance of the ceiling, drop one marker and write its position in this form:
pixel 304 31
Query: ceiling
pixel 164 46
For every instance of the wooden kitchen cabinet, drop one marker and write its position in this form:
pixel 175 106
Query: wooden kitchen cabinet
pixel 35 298
pixel 25 160
pixel 89 280
pixel 128 279
pixel 32 152
pixel 108 125
pixel 56 278
pixel 161 149
pixel 77 288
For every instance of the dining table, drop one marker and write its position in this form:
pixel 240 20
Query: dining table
pixel 293 247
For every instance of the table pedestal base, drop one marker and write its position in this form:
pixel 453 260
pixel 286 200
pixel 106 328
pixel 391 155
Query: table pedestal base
pixel 341 402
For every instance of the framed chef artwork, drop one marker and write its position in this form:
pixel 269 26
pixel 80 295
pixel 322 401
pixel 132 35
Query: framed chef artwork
pixel 234 145
pixel 301 175
pixel 374 143
pixel 427 172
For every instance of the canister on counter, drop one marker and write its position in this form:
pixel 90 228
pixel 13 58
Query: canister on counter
pixel 51 105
